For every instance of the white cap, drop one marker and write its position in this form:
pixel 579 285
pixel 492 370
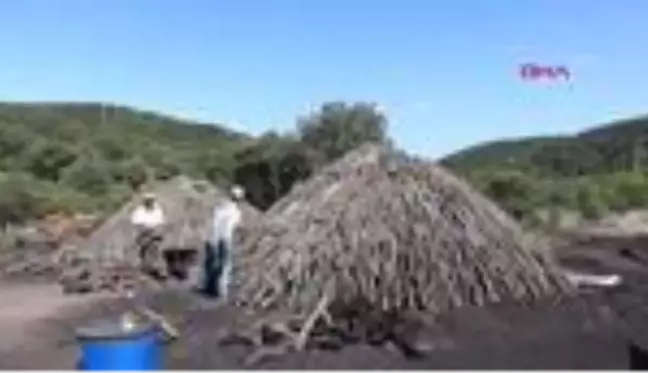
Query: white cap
pixel 237 192
pixel 150 196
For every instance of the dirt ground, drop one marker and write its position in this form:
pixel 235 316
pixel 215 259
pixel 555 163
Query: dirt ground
pixel 29 320
pixel 593 331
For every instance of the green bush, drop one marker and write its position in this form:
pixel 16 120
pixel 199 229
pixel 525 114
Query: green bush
pixel 625 190
pixel 90 174
pixel 591 201
pixel 22 197
pixel 514 191
pixel 45 159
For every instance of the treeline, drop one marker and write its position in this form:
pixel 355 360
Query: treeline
pixel 91 157
pixel 614 147
pixel 595 172
pixel 591 196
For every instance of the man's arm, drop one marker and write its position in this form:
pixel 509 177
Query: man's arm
pixel 233 222
pixel 162 217
pixel 135 217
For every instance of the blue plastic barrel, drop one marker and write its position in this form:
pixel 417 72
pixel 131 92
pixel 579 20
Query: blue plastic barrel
pixel 109 345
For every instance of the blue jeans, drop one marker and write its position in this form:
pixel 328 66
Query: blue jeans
pixel 217 268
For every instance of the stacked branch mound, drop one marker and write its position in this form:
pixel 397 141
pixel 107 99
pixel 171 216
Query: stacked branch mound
pixel 108 259
pixel 374 240
pixel 33 251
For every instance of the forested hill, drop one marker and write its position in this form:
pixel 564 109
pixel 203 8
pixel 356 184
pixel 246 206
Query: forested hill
pixel 114 132
pixel 597 171
pixel 612 147
pixel 90 157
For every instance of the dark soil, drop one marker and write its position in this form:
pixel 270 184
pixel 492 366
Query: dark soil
pixel 594 331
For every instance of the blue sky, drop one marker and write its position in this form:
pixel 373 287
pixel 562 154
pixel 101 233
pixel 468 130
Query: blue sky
pixel 445 71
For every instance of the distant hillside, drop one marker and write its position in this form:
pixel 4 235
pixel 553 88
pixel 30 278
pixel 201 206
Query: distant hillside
pixel 591 173
pixel 613 147
pixel 87 157
pixel 88 154
pixel 113 133
pixel 499 153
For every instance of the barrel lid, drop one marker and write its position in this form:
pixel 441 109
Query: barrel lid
pixel 114 328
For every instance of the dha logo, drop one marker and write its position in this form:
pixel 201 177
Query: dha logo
pixel 535 72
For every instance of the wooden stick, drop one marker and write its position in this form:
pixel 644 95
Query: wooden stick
pixel 171 331
pixel 305 331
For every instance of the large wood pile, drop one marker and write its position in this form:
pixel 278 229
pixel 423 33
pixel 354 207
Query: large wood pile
pixel 376 243
pixel 108 259
pixel 33 250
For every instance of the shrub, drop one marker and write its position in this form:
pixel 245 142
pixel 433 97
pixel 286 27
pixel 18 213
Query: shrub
pixel 21 198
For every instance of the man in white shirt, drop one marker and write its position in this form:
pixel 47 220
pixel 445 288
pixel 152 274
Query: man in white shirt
pixel 149 214
pixel 218 259
pixel 148 219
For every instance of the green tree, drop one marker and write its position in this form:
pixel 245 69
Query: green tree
pixel 89 174
pixel 21 198
pixel 45 159
pixel 339 127
pixel 110 147
pixel 272 165
pixel 216 165
pixel 133 172
pixel 14 140
pixel 628 190
pixel 514 191
pixel 591 201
